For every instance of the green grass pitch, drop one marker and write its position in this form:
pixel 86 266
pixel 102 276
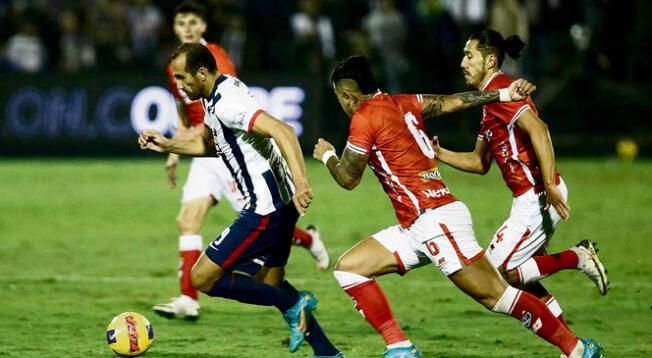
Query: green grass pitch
pixel 83 240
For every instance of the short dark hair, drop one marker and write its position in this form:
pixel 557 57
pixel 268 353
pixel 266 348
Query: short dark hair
pixel 358 69
pixel 191 7
pixel 491 41
pixel 197 56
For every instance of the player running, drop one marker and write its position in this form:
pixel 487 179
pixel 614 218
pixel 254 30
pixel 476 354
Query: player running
pixel 208 180
pixel 265 160
pixel 514 135
pixel 387 132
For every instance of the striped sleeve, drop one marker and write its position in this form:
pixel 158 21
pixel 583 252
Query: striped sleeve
pixel 361 135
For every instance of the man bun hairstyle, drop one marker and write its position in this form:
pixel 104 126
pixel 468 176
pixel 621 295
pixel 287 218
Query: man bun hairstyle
pixel 358 69
pixel 191 7
pixel 197 56
pixel 492 42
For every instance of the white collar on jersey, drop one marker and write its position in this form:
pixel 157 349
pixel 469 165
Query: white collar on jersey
pixel 203 41
pixel 376 94
pixel 491 79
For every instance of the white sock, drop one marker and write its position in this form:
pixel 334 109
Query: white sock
pixel 529 272
pixel 349 279
pixel 554 307
pixel 190 243
pixel 401 344
pixel 578 351
pixel 506 301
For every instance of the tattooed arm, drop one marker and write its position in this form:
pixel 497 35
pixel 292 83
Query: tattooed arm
pixel 347 172
pixel 435 105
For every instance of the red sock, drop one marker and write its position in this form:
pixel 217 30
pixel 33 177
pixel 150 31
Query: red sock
pixel 550 264
pixel 302 237
pixel 188 259
pixel 536 316
pixel 373 305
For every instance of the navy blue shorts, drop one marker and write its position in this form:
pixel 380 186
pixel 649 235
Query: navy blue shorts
pixel 253 241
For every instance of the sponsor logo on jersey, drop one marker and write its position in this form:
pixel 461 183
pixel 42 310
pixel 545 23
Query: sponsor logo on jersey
pixel 430 174
pixel 527 319
pixel 133 334
pixel 436 193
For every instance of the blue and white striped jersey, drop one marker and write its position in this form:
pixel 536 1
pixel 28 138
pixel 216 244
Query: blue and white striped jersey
pixel 255 162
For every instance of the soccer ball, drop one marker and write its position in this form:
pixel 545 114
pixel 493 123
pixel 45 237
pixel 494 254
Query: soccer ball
pixel 129 334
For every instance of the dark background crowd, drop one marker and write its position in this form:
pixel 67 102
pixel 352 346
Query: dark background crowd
pixel 589 57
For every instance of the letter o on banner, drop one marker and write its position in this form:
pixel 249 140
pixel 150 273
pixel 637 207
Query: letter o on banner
pixel 166 111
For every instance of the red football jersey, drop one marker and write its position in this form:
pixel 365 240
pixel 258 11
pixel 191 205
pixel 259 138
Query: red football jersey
pixel 391 130
pixel 510 145
pixel 194 109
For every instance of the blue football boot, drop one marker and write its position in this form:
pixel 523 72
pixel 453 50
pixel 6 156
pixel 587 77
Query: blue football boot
pixel 339 355
pixel 297 318
pixel 592 349
pixel 409 352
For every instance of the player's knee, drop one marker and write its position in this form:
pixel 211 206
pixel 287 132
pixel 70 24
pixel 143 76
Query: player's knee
pixel 511 276
pixel 188 222
pixel 200 280
pixel 347 263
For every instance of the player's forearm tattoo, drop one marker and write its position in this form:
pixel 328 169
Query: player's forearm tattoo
pixel 348 170
pixel 477 98
pixel 435 105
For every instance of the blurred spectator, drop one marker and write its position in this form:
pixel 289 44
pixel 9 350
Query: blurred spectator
pixel 471 14
pixel 25 51
pixel 509 17
pixel 76 49
pixel 313 35
pixel 388 31
pixel 108 26
pixel 146 23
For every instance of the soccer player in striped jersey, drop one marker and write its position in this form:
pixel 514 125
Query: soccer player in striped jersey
pixel 208 179
pixel 387 132
pixel 246 261
pixel 515 137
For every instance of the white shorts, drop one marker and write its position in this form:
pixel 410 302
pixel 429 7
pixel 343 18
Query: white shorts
pixel 443 236
pixel 210 177
pixel 526 232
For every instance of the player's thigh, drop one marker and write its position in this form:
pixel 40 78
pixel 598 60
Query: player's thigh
pixel 481 281
pixel 374 256
pixel 445 237
pixel 205 273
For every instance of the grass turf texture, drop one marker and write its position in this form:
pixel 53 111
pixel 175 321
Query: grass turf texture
pixel 83 240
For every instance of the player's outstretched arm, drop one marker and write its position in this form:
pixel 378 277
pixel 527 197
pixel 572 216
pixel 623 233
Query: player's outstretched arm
pixel 288 143
pixel 346 172
pixel 478 161
pixel 435 105
pixel 540 137
pixel 197 146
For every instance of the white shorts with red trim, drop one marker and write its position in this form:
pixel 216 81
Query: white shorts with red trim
pixel 526 232
pixel 209 177
pixel 443 236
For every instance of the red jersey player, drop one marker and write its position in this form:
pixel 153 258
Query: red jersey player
pixel 208 180
pixel 387 133
pixel 519 141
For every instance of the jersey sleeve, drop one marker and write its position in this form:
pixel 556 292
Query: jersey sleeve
pixel 173 85
pixel 361 135
pixel 238 109
pixel 508 112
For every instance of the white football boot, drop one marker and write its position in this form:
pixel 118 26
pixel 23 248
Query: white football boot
pixel 179 307
pixel 590 264
pixel 318 249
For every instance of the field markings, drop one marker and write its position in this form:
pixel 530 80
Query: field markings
pixel 134 279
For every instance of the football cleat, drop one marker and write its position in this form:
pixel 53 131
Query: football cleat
pixel 179 307
pixel 338 355
pixel 592 349
pixel 590 264
pixel 409 352
pixel 318 249
pixel 297 318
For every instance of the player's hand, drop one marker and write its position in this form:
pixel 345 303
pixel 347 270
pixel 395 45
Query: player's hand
pixel 302 198
pixel 153 140
pixel 171 168
pixel 520 89
pixel 321 147
pixel 556 199
pixel 435 145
